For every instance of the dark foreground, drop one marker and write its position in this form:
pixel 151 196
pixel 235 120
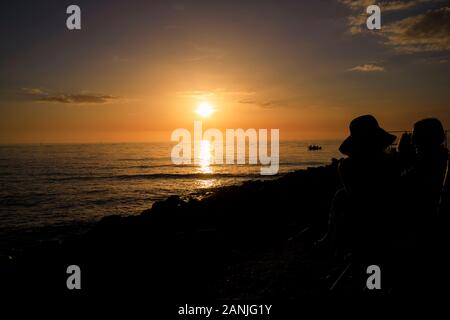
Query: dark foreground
pixel 255 241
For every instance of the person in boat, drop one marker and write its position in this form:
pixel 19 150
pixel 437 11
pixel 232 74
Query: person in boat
pixel 314 147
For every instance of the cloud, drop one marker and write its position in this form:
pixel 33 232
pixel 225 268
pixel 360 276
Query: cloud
pixel 197 94
pixel 421 33
pixel 357 4
pixel 357 21
pixel 368 67
pixel 432 61
pixel 78 98
pixel 400 5
pixel 239 96
pixel 385 6
pixel 212 93
pixel 40 95
pixel 424 32
pixel 33 91
pixel 265 104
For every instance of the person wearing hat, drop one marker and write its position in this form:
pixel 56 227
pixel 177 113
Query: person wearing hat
pixel 366 138
pixel 363 214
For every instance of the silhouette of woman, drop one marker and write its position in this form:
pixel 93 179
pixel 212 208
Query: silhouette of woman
pixel 362 219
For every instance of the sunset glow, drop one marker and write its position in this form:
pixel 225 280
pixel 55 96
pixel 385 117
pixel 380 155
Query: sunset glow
pixel 209 153
pixel 205 109
pixel 253 73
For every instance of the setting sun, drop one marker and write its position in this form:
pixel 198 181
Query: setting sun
pixel 204 109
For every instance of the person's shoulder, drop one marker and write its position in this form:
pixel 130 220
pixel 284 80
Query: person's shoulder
pixel 345 165
pixel 344 162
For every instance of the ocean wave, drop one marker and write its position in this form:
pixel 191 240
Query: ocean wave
pixel 282 163
pixel 144 159
pixel 303 163
pixel 187 176
pixel 162 176
pixel 183 175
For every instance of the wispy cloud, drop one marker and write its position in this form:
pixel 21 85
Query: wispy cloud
pixel 385 6
pixel 357 20
pixel 265 104
pixel 197 94
pixel 41 95
pixel 78 98
pixel 357 4
pixel 432 61
pixel 368 67
pixel 240 96
pixel 217 92
pixel 425 32
pixel 33 91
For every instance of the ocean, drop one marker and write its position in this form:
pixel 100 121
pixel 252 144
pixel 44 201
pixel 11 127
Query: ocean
pixel 46 185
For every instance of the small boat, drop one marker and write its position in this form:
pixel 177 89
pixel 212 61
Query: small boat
pixel 314 147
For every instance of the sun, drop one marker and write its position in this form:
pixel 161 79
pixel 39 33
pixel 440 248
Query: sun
pixel 205 109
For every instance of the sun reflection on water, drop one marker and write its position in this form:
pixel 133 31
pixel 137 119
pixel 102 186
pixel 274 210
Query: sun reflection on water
pixel 205 157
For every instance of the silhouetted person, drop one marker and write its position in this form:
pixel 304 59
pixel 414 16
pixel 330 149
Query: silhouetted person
pixel 406 151
pixel 426 176
pixel 423 179
pixel 422 186
pixel 362 219
pixel 443 236
pixel 444 204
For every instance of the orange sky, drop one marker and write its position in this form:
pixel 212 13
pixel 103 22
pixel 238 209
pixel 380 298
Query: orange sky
pixel 137 74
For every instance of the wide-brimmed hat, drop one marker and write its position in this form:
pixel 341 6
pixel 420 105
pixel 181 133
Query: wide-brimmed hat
pixel 366 134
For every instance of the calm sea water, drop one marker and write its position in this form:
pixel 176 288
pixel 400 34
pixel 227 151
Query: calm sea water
pixel 59 184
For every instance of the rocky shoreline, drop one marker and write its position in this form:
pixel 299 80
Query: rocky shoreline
pixel 249 241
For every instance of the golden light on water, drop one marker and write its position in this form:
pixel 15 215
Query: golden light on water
pixel 205 157
pixel 205 160
pixel 205 109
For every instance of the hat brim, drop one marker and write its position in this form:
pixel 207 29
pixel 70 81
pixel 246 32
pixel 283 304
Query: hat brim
pixel 382 137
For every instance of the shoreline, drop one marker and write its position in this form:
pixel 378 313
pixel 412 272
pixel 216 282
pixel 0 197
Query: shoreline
pixel 257 227
pixel 17 239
